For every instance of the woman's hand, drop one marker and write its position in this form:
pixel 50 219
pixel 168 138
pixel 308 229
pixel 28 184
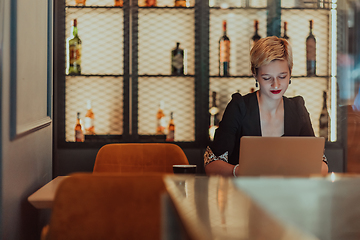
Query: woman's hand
pixel 324 168
pixel 219 167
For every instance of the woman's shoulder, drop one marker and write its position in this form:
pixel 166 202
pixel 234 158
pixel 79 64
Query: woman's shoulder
pixel 296 105
pixel 237 97
pixel 297 100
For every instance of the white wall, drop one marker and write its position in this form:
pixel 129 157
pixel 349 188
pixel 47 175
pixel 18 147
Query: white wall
pixel 26 127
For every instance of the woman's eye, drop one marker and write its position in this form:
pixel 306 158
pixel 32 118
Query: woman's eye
pixel 282 77
pixel 266 79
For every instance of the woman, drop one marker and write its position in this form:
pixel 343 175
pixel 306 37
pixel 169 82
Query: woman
pixel 265 112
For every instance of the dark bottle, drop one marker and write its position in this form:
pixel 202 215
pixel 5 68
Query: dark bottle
pixel 324 119
pixel 74 51
pixel 285 36
pixel 224 53
pixel 256 37
pixel 311 52
pixel 177 60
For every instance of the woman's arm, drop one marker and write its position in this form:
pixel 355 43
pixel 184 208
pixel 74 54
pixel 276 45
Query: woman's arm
pixel 216 157
pixel 324 168
pixel 219 167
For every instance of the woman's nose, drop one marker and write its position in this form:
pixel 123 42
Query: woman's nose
pixel 276 83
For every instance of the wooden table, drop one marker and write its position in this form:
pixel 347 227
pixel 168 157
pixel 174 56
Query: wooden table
pixel 325 208
pixel 44 197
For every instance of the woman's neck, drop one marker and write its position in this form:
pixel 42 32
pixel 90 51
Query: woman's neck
pixel 271 106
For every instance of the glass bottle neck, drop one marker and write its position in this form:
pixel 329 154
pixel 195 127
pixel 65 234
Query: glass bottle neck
pixel 75 31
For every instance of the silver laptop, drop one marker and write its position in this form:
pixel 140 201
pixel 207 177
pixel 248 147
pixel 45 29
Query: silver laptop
pixel 280 156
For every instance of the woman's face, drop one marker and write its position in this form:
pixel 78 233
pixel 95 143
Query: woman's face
pixel 273 79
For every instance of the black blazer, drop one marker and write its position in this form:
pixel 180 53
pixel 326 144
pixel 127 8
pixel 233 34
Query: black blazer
pixel 242 118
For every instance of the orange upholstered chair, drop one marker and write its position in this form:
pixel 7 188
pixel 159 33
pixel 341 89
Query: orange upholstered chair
pixel 107 206
pixel 139 158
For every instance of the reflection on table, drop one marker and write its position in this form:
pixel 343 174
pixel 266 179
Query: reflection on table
pixel 267 208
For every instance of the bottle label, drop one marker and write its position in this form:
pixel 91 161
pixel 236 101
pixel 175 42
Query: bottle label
pixel 75 54
pixel 79 136
pixel 170 136
pixel 177 61
pixel 225 51
pixel 311 50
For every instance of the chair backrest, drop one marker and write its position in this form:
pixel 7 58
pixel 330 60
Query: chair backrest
pixel 139 157
pixel 99 206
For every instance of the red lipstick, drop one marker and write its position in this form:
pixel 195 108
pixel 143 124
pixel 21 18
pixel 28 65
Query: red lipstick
pixel 275 91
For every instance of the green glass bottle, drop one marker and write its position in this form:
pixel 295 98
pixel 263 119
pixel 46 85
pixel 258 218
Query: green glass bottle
pixel 74 51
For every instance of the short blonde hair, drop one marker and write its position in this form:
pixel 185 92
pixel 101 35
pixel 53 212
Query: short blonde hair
pixel 269 49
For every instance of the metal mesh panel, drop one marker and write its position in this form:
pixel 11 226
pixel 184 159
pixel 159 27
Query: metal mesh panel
pixel 298 30
pixel 107 103
pixel 178 96
pixel 311 89
pixel 225 87
pixel 101 32
pixel 240 28
pixel 159 30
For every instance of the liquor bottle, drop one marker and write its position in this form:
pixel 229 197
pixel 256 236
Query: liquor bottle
pixel 79 135
pixel 214 121
pixel 324 119
pixel 150 3
pixel 224 53
pixel 160 117
pixel 170 137
pixel 177 60
pixel 74 51
pixel 89 120
pixel 180 3
pixel 285 36
pixel 256 35
pixel 119 3
pixel 311 52
pixel 80 2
